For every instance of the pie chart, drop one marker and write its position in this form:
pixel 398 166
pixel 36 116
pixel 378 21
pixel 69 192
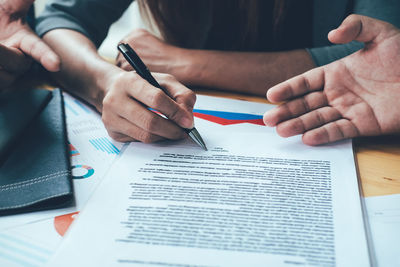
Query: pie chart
pixel 62 222
pixel 81 171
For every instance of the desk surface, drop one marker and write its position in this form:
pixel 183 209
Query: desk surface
pixel 378 158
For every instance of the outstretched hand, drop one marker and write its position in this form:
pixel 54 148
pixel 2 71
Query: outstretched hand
pixel 358 95
pixel 18 43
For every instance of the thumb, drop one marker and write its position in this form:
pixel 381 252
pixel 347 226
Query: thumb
pixel 360 28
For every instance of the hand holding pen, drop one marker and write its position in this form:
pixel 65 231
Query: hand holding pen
pixel 141 69
pixel 126 102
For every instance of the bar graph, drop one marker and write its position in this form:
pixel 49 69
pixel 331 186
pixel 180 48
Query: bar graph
pixel 105 145
pixel 20 251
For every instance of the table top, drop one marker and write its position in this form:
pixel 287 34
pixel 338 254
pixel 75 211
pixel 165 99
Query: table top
pixel 377 158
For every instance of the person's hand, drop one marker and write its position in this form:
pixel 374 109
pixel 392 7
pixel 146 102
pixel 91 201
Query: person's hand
pixel 358 95
pixel 18 43
pixel 155 53
pixel 127 118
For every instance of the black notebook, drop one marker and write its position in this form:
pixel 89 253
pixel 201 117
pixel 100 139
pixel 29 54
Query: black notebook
pixel 17 109
pixel 34 169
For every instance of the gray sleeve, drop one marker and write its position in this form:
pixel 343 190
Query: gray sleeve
pixel 327 54
pixel 92 18
pixel 387 10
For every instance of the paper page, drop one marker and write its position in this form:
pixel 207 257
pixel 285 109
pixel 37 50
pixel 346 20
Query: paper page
pixel 29 245
pixel 253 199
pixel 33 244
pixel 92 153
pixel 384 220
pixel 229 105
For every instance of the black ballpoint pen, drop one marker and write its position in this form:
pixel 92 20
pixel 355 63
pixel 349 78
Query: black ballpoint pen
pixel 141 69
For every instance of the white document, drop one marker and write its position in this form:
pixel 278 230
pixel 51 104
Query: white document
pixel 30 245
pixel 384 219
pixel 253 199
pixel 92 153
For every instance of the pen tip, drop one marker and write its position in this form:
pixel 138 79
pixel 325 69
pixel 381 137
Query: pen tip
pixel 195 136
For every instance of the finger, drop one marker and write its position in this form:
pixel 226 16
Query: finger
pixel 118 59
pixel 123 130
pixel 126 66
pixel 122 63
pixel 309 121
pixel 360 28
pixel 331 132
pixel 120 137
pixel 309 81
pixel 35 47
pixel 160 101
pixel 147 120
pixel 13 60
pixel 178 91
pixel 295 108
pixel 6 78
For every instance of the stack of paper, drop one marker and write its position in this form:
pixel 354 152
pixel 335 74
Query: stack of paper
pixel 253 199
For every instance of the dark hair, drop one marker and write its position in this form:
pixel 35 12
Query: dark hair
pixel 235 24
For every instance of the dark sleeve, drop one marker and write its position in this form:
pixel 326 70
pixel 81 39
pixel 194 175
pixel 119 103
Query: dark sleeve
pixel 386 10
pixel 30 18
pixel 92 18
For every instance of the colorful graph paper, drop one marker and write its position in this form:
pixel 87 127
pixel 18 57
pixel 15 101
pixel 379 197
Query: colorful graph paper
pixel 104 145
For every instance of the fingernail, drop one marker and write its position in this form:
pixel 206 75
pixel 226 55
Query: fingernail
pixel 266 122
pixel 186 123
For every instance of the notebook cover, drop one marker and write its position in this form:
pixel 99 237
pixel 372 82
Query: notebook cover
pixel 35 174
pixel 17 109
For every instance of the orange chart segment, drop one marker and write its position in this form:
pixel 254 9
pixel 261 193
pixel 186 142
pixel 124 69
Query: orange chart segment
pixel 62 222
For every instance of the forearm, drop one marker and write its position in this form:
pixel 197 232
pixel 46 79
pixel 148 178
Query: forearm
pixel 83 72
pixel 247 72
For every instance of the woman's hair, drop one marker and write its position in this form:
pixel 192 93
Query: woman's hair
pixel 235 24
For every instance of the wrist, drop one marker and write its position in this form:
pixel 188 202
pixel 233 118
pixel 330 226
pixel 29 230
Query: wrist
pixel 103 79
pixel 190 67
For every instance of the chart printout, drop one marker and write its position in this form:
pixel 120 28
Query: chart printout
pixel 253 199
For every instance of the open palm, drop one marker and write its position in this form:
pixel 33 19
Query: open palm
pixel 358 95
